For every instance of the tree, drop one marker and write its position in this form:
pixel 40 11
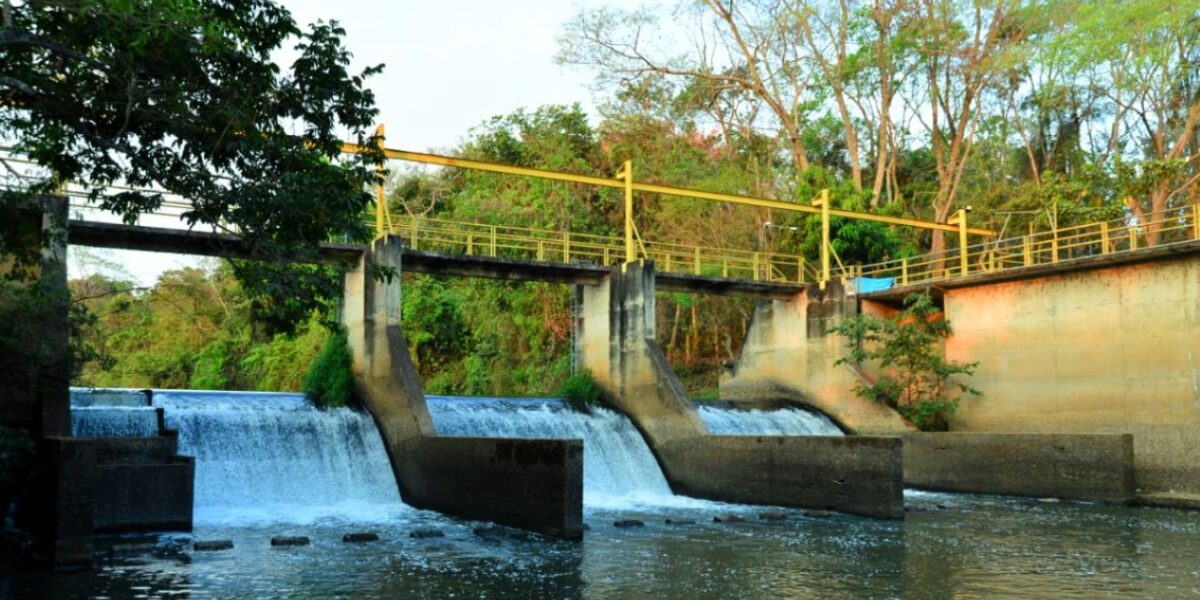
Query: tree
pixel 915 380
pixel 184 97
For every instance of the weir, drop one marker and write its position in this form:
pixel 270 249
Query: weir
pixel 615 334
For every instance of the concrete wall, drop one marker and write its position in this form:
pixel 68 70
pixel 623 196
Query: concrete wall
pixel 145 496
pixel 1113 350
pixel 1072 466
pixel 616 341
pixel 859 475
pixel 532 484
pixel 789 354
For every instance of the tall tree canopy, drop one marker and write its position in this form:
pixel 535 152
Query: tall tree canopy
pixel 183 96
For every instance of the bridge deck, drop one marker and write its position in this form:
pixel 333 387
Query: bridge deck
pixel 179 241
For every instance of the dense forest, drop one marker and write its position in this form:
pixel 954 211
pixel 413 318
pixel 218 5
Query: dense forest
pixel 1035 114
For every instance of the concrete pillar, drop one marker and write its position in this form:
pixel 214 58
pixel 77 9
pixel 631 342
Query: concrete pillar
pixel 789 355
pixel 531 484
pixel 618 345
pixel 616 342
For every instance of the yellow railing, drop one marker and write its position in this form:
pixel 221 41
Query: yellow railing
pixel 1176 225
pixel 524 243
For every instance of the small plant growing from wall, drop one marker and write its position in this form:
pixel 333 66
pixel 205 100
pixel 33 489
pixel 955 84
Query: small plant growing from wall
pixel 329 381
pixel 914 378
pixel 581 392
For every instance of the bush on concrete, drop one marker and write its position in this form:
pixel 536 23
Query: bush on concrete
pixel 581 392
pixel 915 379
pixel 329 381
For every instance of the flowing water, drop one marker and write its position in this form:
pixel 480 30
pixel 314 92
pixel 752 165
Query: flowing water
pixel 784 421
pixel 267 465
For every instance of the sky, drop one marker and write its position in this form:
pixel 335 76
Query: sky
pixel 450 65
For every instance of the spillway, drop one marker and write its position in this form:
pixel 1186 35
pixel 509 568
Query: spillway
pixel 619 469
pixel 272 457
pixel 783 421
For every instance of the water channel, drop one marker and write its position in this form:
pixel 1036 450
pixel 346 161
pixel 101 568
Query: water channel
pixel 269 465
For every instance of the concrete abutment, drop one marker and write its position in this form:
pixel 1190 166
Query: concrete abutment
pixel 531 484
pixel 616 341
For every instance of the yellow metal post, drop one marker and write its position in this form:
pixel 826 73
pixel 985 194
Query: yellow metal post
pixel 566 246
pixel 380 200
pixel 1027 250
pixel 823 203
pixel 964 259
pixel 1104 237
pixel 696 261
pixel 493 241
pixel 626 173
pixel 1196 221
pixel 904 271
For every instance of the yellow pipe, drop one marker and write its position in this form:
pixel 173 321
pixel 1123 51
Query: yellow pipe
pixel 477 165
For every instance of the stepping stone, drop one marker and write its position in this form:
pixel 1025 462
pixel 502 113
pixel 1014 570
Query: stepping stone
pixel 427 533
pixel 681 522
pixel 366 536
pixel 289 540
pixel 816 513
pixel 626 523
pixel 772 516
pixel 212 545
pixel 728 519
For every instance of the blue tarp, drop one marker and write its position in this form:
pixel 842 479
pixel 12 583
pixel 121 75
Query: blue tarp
pixel 866 285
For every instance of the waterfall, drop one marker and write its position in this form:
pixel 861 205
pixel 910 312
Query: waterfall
pixel 619 469
pixel 103 421
pixel 784 421
pixel 272 457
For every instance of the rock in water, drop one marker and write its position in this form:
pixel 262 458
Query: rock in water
pixel 212 545
pixel 772 516
pixel 289 540
pixel 625 523
pixel 426 533
pixel 361 537
pixel 816 513
pixel 728 519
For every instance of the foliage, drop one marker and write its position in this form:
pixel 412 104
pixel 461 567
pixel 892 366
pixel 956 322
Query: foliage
pixel 914 378
pixel 329 381
pixel 186 97
pixel 581 392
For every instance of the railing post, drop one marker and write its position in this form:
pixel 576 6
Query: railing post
pixel 626 172
pixel 1054 245
pixel 566 246
pixel 1132 238
pixel 904 271
pixel 1027 250
pixel 541 255
pixel 607 259
pixel 1196 221
pixel 696 261
pixel 414 234
pixel 823 203
pixel 493 241
pixel 470 244
pixel 380 200
pixel 801 264
pixel 724 268
pixel 1104 237
pixel 667 261
pixel 755 266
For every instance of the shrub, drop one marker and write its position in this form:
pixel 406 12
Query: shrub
pixel 329 381
pixel 916 380
pixel 581 392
